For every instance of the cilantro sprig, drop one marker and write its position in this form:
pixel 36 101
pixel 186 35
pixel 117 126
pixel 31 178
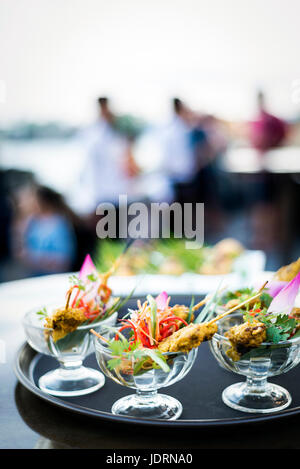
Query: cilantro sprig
pixel 43 313
pixel 279 327
pixel 121 349
pixel 75 280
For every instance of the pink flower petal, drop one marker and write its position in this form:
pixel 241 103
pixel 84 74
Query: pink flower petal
pixel 162 300
pixel 274 287
pixel 285 299
pixel 87 268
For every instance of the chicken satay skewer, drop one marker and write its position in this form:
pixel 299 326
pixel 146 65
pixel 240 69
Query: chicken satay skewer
pixel 237 306
pixel 193 335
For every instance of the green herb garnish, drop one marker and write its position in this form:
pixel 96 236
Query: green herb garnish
pixel 123 349
pixel 153 308
pixel 190 310
pixel 43 313
pixel 279 327
pixel 75 280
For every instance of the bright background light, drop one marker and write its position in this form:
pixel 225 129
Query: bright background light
pixel 56 56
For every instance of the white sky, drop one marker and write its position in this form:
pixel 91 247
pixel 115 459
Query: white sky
pixel 56 56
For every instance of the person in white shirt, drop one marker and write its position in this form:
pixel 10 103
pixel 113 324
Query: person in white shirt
pixel 178 156
pixel 104 176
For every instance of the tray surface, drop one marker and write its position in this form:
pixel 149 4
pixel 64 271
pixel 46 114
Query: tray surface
pixel 199 392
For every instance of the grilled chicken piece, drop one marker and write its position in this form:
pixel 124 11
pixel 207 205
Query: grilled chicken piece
pixel 64 321
pixel 244 337
pixel 288 272
pixel 188 337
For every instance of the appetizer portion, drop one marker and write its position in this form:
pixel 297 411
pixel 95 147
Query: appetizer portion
pixel 259 342
pixel 280 280
pixel 89 300
pixel 64 332
pixel 170 257
pixel 153 329
pixel 232 298
pixel 278 322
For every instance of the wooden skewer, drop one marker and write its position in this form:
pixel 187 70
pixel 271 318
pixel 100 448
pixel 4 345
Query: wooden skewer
pixel 68 298
pixel 238 306
pixel 98 335
pixel 202 302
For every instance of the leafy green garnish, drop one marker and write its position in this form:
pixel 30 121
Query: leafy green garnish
pixel 248 317
pixel 157 357
pixel 75 280
pixel 123 349
pixel 118 304
pixel 153 310
pixel 266 299
pixel 242 294
pixel 209 309
pixel 92 277
pixel 281 329
pixel 190 310
pixel 43 313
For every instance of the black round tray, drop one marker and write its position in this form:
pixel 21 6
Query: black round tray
pixel 199 392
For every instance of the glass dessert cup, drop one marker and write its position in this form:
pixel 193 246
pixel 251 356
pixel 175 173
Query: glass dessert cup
pixel 256 394
pixel 146 402
pixel 71 378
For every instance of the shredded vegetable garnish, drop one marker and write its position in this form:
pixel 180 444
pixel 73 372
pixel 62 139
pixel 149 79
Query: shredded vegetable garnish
pixel 154 321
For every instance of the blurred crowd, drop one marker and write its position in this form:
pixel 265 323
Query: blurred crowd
pixel 179 161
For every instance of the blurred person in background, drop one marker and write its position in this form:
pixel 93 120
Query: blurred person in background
pixel 266 131
pixel 261 191
pixel 191 144
pixel 178 158
pixel 109 169
pixel 210 143
pixel 43 236
pixel 5 223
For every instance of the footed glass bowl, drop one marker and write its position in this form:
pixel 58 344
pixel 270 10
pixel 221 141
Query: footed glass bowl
pixel 71 378
pixel 256 394
pixel 146 402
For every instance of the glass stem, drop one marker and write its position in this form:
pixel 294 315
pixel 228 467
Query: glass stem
pixel 72 367
pixel 258 374
pixel 256 385
pixel 146 395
